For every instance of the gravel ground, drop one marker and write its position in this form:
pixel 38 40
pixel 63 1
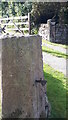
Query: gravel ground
pixel 56 63
pixel 57 48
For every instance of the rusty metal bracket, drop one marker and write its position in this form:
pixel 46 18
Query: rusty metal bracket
pixel 43 82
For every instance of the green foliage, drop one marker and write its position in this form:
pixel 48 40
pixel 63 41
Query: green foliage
pixel 3 8
pixel 15 8
pixel 63 13
pixel 40 11
pixel 43 11
pixel 57 11
pixel 34 31
pixel 56 91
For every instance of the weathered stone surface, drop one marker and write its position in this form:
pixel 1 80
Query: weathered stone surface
pixel 21 66
pixel 61 33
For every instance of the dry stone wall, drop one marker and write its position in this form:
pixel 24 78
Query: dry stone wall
pixel 54 32
pixel 61 32
pixel 44 30
pixel 22 64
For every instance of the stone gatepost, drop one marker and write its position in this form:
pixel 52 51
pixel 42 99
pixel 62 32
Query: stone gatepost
pixel 52 32
pixel 22 95
pixel 51 29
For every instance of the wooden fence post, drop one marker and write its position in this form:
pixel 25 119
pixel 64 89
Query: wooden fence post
pixel 29 20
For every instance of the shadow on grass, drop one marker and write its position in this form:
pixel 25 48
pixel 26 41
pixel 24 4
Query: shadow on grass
pixel 57 96
pixel 55 53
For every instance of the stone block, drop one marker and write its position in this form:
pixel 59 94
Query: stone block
pixel 21 60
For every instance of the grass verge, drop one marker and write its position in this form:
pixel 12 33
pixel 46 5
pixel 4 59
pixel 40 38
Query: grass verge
pixel 56 91
pixel 55 44
pixel 54 52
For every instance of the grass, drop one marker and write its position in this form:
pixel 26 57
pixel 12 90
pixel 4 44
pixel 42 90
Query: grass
pixel 54 52
pixel 55 44
pixel 56 91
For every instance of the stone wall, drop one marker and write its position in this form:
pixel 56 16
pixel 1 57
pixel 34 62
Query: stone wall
pixel 61 31
pixel 44 31
pixel 54 32
pixel 22 64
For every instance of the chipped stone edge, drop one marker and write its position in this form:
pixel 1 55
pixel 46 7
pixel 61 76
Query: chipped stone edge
pixel 17 36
